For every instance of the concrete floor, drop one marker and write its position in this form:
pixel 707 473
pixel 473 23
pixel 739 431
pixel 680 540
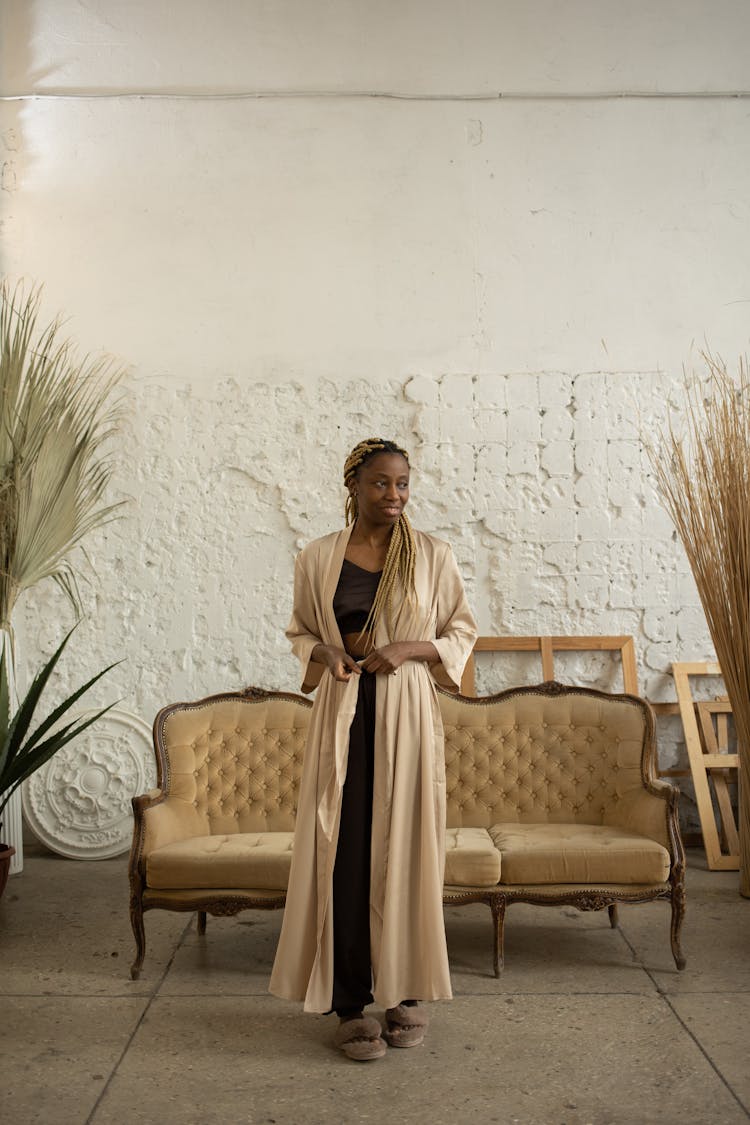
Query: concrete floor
pixel 586 1025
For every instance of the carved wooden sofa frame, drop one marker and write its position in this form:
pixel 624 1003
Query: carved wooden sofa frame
pixel 155 812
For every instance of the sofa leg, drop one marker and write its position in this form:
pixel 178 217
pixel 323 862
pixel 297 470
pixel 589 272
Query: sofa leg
pixel 139 932
pixel 613 915
pixel 678 913
pixel 497 906
pixel 201 921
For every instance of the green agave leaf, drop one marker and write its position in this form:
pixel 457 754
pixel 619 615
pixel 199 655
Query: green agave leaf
pixel 27 764
pixel 19 767
pixel 4 711
pixel 65 706
pixel 22 719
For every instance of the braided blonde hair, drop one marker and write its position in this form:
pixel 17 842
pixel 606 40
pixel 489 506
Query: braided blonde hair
pixel 401 554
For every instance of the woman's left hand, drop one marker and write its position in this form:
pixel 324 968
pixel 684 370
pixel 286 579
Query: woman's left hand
pixel 386 660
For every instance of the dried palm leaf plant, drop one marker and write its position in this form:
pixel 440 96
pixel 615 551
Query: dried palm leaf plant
pixel 57 412
pixel 703 476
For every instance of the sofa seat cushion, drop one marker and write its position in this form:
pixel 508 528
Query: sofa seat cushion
pixel 245 860
pixel 471 859
pixel 578 853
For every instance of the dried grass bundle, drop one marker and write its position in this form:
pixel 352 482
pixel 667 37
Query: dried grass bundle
pixel 704 479
pixel 56 414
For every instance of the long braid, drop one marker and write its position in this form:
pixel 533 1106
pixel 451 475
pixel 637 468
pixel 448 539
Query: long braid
pixel 401 554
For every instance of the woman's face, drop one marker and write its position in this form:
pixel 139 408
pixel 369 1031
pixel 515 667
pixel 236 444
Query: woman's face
pixel 382 488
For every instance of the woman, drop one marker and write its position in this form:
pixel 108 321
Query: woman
pixel 379 614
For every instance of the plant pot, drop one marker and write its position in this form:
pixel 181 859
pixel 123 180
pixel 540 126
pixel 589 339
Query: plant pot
pixel 6 854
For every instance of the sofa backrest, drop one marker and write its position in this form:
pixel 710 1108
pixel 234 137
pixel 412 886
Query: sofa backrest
pixel 538 754
pixel 236 759
pixel 542 754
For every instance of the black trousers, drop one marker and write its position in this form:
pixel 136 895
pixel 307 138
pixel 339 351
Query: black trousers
pixel 352 967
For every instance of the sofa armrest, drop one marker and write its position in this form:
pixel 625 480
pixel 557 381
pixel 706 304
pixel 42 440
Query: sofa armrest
pixel 652 812
pixel 161 820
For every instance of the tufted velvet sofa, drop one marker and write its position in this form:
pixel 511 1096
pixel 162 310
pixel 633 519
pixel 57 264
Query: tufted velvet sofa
pixel 551 798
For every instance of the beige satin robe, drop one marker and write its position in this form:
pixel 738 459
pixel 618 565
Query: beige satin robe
pixel 407 932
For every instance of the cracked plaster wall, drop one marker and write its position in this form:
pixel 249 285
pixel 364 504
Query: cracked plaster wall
pixel 300 225
pixel 539 482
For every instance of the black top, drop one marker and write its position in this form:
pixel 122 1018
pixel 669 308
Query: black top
pixel 354 596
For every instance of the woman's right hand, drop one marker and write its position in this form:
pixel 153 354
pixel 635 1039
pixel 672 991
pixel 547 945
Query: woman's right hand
pixel 338 662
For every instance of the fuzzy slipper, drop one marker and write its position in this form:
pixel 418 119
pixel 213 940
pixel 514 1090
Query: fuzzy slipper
pixel 405 1026
pixel 360 1039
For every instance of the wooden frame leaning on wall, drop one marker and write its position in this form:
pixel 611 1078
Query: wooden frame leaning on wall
pixel 548 646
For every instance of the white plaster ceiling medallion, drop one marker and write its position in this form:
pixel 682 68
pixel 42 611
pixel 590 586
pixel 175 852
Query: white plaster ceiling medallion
pixel 78 803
